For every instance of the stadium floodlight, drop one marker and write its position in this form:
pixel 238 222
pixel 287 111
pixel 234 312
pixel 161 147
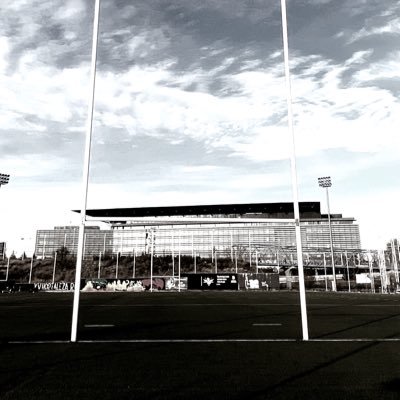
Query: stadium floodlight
pixel 326 183
pixel 85 177
pixel 302 289
pixel 4 178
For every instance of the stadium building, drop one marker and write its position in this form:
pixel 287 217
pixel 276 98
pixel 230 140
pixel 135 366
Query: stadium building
pixel 2 250
pixel 228 230
pixel 48 241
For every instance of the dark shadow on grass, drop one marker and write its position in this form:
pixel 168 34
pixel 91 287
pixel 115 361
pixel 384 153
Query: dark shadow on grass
pixel 357 326
pixel 392 386
pixel 31 373
pixel 268 391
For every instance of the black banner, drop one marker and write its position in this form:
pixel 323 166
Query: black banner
pixel 11 286
pixel 212 281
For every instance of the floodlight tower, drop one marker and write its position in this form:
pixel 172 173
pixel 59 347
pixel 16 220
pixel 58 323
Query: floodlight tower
pixel 326 183
pixel 4 178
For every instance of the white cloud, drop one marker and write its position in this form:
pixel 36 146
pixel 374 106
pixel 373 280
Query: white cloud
pixel 352 121
pixel 4 50
pixel 391 27
pixel 33 166
pixel 69 35
pixel 42 91
pixel 269 143
pixel 140 101
pixel 251 122
pixel 359 57
pixel 18 4
pixel 331 115
pixel 69 9
pixel 387 68
pixel 256 10
pixel 147 41
pixel 13 121
pixel 255 85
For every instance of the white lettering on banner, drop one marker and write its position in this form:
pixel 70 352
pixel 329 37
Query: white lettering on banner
pixel 221 279
pixel 57 286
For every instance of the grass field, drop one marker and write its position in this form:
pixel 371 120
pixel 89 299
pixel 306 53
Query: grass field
pixel 208 345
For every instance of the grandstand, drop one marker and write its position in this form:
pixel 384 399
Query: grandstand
pixel 227 230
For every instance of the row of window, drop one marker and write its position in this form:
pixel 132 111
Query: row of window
pixel 203 240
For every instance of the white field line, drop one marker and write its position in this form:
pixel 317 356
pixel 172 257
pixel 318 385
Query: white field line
pixel 267 324
pixel 191 304
pixel 16 342
pixel 376 305
pixel 199 305
pixel 238 305
pixel 357 340
pixel 38 342
pixel 149 305
pixel 99 326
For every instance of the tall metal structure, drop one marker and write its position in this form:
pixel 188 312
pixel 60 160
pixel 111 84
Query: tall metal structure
pixel 326 183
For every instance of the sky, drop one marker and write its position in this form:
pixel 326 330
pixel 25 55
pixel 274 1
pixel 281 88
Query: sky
pixel 190 108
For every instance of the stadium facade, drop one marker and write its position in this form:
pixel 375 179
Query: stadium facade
pixel 229 230
pixel 2 250
pixel 48 241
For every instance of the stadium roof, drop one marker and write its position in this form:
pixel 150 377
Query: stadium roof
pixel 266 210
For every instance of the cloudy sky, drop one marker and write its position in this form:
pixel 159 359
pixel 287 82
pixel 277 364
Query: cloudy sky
pixel 191 109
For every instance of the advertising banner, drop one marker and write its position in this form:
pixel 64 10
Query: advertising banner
pixel 174 283
pixel 363 278
pixel 54 287
pixel 123 285
pixel 213 281
pixel 11 286
pixel 135 285
pixel 260 281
